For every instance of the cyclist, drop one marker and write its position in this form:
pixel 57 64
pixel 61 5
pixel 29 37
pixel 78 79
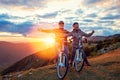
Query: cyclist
pixel 60 33
pixel 76 32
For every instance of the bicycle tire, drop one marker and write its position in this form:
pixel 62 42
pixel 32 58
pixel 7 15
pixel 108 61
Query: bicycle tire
pixel 61 77
pixel 79 64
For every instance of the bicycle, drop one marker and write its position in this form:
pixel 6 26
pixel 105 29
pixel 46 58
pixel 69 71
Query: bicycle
pixel 62 62
pixel 78 62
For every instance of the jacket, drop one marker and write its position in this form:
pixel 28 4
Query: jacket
pixel 77 36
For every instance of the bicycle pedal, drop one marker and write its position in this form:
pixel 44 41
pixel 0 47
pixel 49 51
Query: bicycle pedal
pixel 62 65
pixel 78 59
pixel 73 64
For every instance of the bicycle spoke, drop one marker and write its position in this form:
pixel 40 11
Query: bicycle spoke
pixel 79 61
pixel 61 66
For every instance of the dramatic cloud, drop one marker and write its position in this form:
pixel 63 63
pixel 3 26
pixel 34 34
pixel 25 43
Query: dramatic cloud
pixel 29 3
pixel 23 16
pixel 23 28
pixel 111 17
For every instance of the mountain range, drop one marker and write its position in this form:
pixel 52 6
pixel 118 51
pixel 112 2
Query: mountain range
pixel 35 60
pixel 13 52
pixel 102 38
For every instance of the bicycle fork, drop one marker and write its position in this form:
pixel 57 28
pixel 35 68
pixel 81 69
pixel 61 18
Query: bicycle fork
pixel 62 59
pixel 78 55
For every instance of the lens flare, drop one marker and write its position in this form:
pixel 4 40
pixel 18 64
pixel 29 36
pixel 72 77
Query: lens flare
pixel 50 41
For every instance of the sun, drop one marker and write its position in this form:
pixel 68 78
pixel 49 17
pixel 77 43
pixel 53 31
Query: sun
pixel 49 41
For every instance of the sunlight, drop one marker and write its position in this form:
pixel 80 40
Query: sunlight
pixel 50 41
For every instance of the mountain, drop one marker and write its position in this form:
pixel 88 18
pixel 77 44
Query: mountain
pixel 102 38
pixel 104 67
pixel 96 38
pixel 12 52
pixel 36 60
pixel 114 36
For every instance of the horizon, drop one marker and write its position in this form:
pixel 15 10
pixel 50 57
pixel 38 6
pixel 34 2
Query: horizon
pixel 14 39
pixel 19 20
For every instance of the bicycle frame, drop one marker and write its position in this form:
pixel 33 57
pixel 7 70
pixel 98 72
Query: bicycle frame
pixel 78 62
pixel 62 63
pixel 60 55
pixel 78 50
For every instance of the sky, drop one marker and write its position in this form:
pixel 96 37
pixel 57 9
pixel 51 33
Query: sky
pixel 20 19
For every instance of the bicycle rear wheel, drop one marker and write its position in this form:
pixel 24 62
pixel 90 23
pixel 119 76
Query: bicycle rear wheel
pixel 62 66
pixel 79 60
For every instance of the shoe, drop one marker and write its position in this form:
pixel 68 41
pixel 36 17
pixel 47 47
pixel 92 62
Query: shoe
pixel 70 63
pixel 88 64
pixel 73 64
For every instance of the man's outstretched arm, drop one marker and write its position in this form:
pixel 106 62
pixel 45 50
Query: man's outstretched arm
pixel 46 31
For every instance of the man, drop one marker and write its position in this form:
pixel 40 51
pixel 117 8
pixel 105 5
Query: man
pixel 77 35
pixel 60 33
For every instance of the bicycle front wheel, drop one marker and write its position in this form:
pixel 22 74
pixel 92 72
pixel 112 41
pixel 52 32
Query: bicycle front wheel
pixel 79 60
pixel 62 66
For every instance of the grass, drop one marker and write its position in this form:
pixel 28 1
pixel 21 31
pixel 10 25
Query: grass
pixel 104 67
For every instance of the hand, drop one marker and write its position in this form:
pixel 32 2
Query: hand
pixel 93 31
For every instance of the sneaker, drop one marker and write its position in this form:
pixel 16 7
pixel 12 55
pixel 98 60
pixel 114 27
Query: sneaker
pixel 88 64
pixel 73 64
pixel 70 63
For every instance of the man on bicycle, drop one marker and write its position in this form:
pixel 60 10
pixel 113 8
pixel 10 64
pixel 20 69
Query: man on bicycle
pixel 60 33
pixel 76 33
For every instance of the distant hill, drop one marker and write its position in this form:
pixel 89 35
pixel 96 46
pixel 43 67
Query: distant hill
pixel 36 60
pixel 96 38
pixel 102 38
pixel 114 36
pixel 12 52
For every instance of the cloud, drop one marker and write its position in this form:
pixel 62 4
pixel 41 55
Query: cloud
pixel 92 15
pixel 92 1
pixel 49 15
pixel 5 25
pixel 110 16
pixel 20 16
pixel 106 32
pixel 9 34
pixel 99 3
pixel 79 11
pixel 29 3
pixel 22 28
pixel 88 20
pixel 6 16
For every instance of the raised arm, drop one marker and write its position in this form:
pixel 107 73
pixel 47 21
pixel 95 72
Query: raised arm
pixel 87 35
pixel 46 30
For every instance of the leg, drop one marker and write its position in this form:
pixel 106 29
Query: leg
pixel 85 58
pixel 73 54
pixel 57 52
pixel 66 50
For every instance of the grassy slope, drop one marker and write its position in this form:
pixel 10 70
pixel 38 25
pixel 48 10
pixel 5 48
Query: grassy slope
pixel 104 67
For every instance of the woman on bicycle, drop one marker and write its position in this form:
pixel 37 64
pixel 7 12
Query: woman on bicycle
pixel 76 32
